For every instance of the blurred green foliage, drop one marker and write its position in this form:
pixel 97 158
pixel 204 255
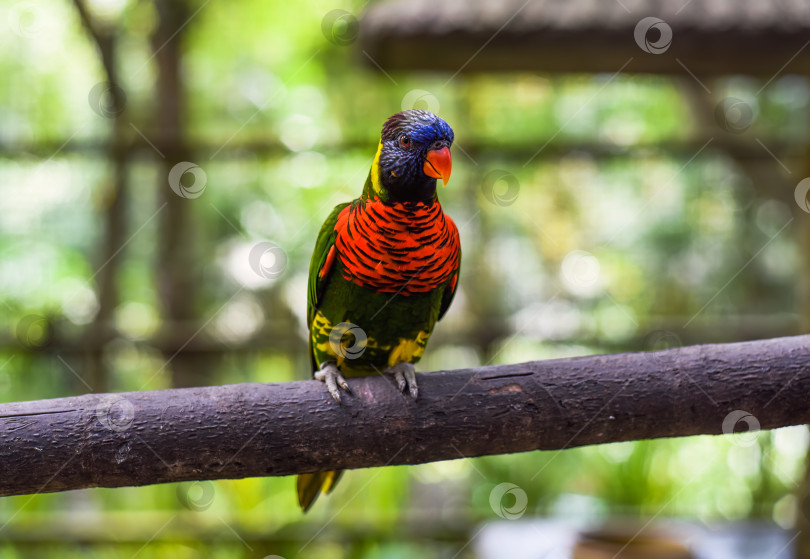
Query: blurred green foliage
pixel 624 228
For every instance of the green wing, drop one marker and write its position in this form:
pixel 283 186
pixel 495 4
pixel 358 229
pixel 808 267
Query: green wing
pixel 317 281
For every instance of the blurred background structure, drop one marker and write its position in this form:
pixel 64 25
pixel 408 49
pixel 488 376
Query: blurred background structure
pixel 627 176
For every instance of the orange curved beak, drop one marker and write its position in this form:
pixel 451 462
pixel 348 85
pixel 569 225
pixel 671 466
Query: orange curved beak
pixel 438 164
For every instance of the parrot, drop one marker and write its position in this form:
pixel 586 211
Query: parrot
pixel 384 270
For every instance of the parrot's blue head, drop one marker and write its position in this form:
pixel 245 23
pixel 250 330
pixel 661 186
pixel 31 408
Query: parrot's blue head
pixel 414 152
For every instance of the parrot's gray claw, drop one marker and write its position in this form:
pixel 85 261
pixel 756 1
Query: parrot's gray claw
pixel 330 374
pixel 405 375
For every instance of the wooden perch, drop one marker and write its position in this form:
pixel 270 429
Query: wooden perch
pixel 242 430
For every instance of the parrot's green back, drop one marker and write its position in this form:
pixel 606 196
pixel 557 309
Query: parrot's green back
pixel 316 284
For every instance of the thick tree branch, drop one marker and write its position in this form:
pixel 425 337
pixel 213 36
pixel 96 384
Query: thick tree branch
pixel 243 430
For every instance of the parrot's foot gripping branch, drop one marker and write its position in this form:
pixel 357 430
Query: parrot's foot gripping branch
pixel 405 375
pixel 330 374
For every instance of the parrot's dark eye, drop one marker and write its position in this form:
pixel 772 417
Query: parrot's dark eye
pixel 405 141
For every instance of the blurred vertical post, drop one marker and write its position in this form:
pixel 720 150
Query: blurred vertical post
pixel 112 239
pixel 177 243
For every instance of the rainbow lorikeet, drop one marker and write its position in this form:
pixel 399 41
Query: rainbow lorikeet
pixel 385 268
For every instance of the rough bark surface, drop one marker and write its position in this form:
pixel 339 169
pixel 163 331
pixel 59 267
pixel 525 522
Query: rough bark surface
pixel 242 430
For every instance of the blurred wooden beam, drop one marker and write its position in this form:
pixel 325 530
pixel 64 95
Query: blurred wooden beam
pixel 704 37
pixel 786 151
pixel 244 430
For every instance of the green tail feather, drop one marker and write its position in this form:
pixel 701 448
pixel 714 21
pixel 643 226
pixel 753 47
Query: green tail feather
pixel 309 486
